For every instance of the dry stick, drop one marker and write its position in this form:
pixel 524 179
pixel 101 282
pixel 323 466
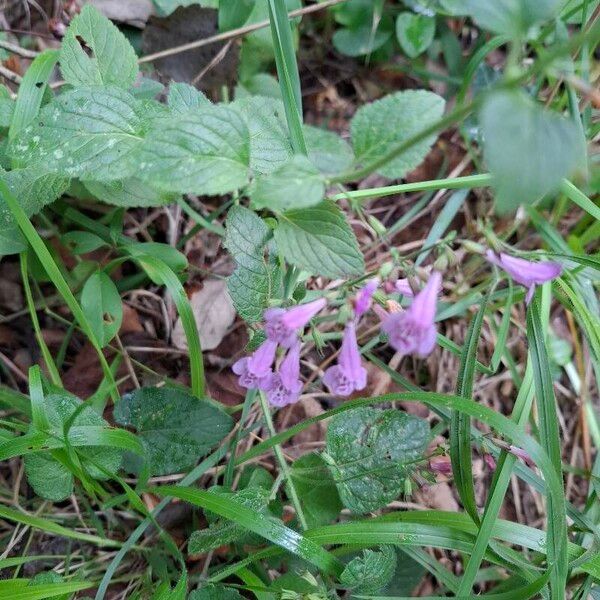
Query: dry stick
pixel 10 75
pixel 227 35
pixel 15 49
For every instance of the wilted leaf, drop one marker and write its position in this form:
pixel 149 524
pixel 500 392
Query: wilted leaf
pixel 214 313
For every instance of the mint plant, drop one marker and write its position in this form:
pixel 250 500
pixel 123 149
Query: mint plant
pixel 337 310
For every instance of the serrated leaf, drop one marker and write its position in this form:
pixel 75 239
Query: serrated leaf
pixel 206 152
pixel 295 184
pixel 88 133
pixel 175 427
pixel 215 592
pixel 414 32
pixel 270 145
pixel 327 150
pixel 377 127
pixel 222 532
pixel 129 193
pixel 320 241
pixel 316 489
pixel 250 284
pixel 550 148
pixel 102 306
pixel 49 478
pixel 112 61
pixel 368 573
pixel 511 17
pixel 184 97
pixel 34 189
pixel 369 452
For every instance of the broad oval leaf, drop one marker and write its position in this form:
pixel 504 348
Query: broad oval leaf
pixel 368 573
pixel 414 32
pixel 205 152
pixel 320 241
pixel 380 126
pixel 295 184
pixel 528 149
pixel 112 61
pixel 184 97
pixel 327 150
pixel 88 133
pixel 175 427
pixel 129 193
pixel 369 452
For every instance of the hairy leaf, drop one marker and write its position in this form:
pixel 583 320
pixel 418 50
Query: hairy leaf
pixel 88 133
pixel 175 427
pixel 295 184
pixel 184 97
pixel 369 452
pixel 112 60
pixel 319 240
pixel 205 152
pixel 129 193
pixel 251 283
pixel 368 573
pixel 327 150
pixel 378 127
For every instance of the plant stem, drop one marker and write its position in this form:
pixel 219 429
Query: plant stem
pixel 291 490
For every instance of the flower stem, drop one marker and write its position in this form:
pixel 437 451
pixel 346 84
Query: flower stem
pixel 291 490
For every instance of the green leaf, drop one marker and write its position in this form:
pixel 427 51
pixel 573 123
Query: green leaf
pixel 550 148
pixel 222 532
pixel 48 577
pixel 184 97
pixel 234 13
pixel 370 572
pixel 87 133
pixel 112 60
pixel 369 452
pixel 7 107
pixel 327 150
pixel 102 306
pixel 171 257
pixel 175 427
pixel 592 567
pixel 250 284
pixel 414 32
pixel 378 127
pixel 295 184
pixel 511 17
pixel 215 592
pixel 361 40
pixel 316 489
pixel 49 478
pixel 34 191
pixel 319 240
pixel 270 146
pixel 206 152
pixel 129 193
pixel 260 84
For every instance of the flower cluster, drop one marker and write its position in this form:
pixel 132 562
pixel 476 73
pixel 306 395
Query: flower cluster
pixel 409 331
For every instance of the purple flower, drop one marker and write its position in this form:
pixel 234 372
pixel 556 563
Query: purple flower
pixel 363 299
pixel 285 385
pixel 255 370
pixel 403 287
pixel 525 272
pixel 414 330
pixel 349 374
pixel 282 325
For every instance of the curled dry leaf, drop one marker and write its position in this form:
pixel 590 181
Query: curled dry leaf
pixel 214 313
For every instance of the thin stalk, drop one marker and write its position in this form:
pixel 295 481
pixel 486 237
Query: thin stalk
pixel 282 464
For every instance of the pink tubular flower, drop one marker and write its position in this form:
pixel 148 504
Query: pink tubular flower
pixel 285 385
pixel 363 299
pixel 403 287
pixel 255 370
pixel 525 272
pixel 414 330
pixel 282 325
pixel 349 374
